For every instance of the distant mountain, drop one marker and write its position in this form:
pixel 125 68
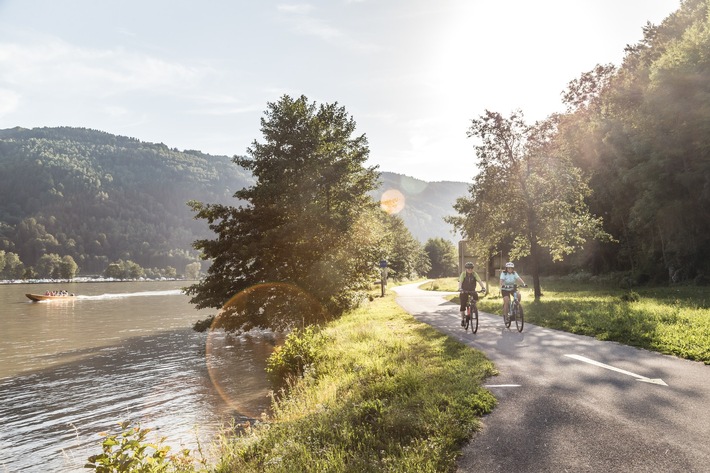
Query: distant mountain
pixel 99 197
pixel 426 204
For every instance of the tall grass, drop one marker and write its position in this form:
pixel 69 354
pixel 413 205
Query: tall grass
pixel 671 320
pixel 390 394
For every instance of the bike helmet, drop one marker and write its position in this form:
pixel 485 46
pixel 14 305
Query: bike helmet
pixel 468 265
pixel 509 265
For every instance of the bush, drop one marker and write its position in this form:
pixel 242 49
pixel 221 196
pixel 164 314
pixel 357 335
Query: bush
pixel 129 451
pixel 300 350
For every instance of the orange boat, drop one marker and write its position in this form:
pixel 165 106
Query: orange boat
pixel 42 297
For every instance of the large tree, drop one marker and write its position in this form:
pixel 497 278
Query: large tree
pixel 305 233
pixel 527 193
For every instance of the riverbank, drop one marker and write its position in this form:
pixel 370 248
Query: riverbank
pixel 85 279
pixel 384 393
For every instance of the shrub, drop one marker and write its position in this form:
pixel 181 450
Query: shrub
pixel 129 451
pixel 299 351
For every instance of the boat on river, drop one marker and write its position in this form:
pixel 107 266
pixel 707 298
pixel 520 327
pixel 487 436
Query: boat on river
pixel 44 297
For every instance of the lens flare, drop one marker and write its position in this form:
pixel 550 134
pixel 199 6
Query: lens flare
pixel 392 201
pixel 236 363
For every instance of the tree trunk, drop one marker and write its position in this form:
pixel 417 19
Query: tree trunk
pixel 535 256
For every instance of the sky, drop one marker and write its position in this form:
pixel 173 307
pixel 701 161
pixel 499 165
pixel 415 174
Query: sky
pixel 198 75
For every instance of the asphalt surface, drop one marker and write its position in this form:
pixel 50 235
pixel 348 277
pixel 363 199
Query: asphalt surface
pixel 569 403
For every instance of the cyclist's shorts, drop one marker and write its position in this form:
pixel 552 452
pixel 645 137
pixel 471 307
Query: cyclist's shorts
pixel 506 293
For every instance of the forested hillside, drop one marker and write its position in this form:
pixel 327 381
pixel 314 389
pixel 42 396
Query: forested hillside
pixel 426 204
pixel 100 198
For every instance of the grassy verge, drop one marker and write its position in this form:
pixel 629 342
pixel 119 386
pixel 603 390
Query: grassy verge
pixel 388 394
pixel 671 320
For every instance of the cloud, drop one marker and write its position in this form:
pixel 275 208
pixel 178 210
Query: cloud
pixel 227 108
pixel 302 19
pixel 68 68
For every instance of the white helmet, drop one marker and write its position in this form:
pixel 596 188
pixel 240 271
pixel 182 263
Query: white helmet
pixel 509 265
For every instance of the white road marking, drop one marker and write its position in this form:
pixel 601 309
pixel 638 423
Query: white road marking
pixel 618 370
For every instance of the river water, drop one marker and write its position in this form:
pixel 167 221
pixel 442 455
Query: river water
pixel 122 351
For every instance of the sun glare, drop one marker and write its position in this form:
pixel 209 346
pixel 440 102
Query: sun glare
pixel 392 201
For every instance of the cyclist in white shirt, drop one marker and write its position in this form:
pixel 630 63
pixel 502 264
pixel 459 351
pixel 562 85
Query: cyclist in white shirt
pixel 507 279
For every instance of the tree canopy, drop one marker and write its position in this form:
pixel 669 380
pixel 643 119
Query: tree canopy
pixel 631 148
pixel 641 131
pixel 307 233
pixel 527 195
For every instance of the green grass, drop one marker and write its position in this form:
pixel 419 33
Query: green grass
pixel 671 320
pixel 390 394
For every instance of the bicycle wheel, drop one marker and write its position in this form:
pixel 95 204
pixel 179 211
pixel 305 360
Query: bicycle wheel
pixel 466 320
pixel 474 319
pixel 519 321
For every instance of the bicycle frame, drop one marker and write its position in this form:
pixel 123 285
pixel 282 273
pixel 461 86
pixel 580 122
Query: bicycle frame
pixel 515 310
pixel 471 316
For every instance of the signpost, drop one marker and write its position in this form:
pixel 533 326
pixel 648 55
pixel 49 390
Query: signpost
pixel 383 276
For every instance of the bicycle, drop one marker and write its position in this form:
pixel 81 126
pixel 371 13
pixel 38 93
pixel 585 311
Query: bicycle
pixel 515 311
pixel 471 317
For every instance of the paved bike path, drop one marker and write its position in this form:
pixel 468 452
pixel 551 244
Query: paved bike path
pixel 573 403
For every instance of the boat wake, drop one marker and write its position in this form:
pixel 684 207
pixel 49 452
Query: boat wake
pixel 171 292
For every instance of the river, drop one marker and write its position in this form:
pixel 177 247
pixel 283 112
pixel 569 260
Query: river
pixel 120 351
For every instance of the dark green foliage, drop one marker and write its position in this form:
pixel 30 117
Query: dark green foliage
pixel 642 132
pixel 204 324
pixel 307 229
pixel 124 270
pixel 102 199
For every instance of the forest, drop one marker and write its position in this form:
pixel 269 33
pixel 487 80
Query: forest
pixel 619 182
pixel 641 131
pixel 98 199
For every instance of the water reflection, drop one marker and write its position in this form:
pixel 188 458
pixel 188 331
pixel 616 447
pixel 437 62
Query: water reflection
pixel 244 395
pixel 71 371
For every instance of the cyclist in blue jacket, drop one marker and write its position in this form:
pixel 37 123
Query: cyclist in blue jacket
pixel 467 282
pixel 507 279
